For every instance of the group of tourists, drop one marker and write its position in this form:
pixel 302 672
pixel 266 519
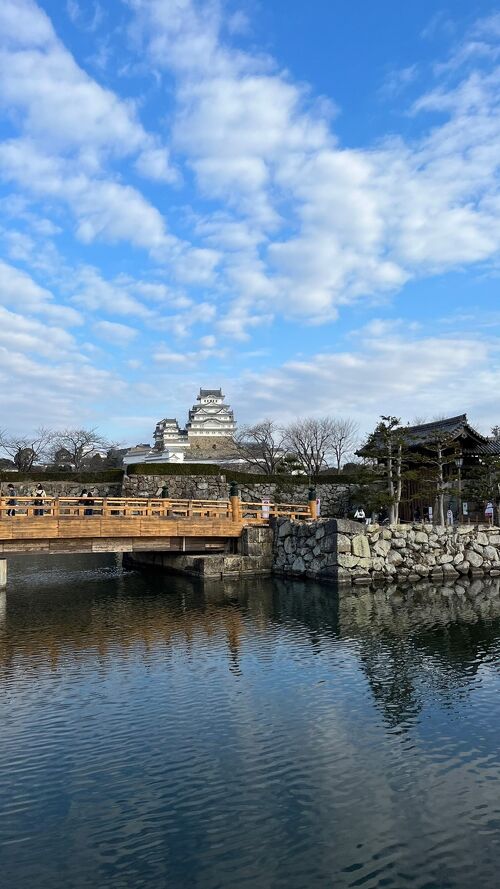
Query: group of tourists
pixel 39 495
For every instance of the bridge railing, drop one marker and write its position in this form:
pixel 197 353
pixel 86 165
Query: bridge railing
pixel 262 512
pixel 61 507
pixel 64 507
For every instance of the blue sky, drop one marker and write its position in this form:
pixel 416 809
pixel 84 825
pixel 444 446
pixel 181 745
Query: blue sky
pixel 297 201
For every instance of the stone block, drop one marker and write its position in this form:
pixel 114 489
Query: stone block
pixel 482 538
pixel 360 546
pixel 474 559
pixel 494 539
pixel 343 543
pixel 463 567
pixel 491 553
pixel 285 528
pixel 346 560
pixel 421 570
pixel 298 565
pixel 381 548
pixel 394 557
pixel 421 537
pixel 445 559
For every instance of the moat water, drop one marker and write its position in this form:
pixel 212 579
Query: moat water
pixel 265 734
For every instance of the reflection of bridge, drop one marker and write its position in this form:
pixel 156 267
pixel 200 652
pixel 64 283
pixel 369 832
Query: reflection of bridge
pixel 79 525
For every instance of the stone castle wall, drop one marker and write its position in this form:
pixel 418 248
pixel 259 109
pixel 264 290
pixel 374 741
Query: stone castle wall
pixel 334 498
pixel 348 552
pixel 65 488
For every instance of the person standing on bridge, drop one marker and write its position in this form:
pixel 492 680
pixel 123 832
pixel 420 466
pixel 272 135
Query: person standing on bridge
pixel 39 497
pixel 90 502
pixel 11 491
pixel 83 499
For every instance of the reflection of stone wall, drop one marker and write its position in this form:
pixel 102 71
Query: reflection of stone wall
pixel 354 553
pixel 398 611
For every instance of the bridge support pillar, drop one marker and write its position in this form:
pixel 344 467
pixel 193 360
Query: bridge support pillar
pixel 3 573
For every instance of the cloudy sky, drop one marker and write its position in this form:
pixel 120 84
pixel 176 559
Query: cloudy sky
pixel 298 201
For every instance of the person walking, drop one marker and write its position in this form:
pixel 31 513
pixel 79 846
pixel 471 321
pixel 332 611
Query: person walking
pixel 39 497
pixel 449 517
pixel 360 515
pixel 11 493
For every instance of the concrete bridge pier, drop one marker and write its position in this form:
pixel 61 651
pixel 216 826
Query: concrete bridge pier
pixel 3 573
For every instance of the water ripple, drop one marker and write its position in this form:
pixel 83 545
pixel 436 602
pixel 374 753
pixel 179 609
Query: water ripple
pixel 266 734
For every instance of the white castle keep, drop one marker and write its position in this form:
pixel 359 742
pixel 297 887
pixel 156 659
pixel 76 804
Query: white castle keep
pixel 209 432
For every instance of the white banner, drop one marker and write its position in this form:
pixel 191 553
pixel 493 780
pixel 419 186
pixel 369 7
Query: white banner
pixel 266 504
pixel 318 507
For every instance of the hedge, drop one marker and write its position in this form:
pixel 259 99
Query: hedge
pixel 107 475
pixel 198 469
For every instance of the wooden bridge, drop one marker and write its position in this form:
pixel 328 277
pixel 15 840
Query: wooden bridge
pixel 118 524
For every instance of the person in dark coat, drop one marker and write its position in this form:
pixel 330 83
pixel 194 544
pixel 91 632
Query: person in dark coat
pixel 11 491
pixel 39 495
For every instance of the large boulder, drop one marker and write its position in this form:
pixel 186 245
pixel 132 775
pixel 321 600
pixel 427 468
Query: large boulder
pixel 343 543
pixel 381 547
pixel 360 546
pixel 491 553
pixel 474 559
pixel 285 528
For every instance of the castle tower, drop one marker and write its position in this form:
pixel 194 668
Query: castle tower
pixel 210 418
pixel 168 434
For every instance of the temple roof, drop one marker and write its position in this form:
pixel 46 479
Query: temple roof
pixel 447 430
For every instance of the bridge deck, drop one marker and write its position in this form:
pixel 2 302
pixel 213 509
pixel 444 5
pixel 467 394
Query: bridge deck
pixel 57 525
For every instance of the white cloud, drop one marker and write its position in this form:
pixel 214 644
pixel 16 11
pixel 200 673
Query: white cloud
pixel 168 356
pixel 92 292
pixel 154 163
pixel 104 209
pixel 114 333
pixel 387 373
pixel 331 225
pixel 19 290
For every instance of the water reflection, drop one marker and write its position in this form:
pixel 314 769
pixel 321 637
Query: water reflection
pixel 264 733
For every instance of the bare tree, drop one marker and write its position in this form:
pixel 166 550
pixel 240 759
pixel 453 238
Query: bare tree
pixel 344 439
pixel 310 440
pixel 261 445
pixel 26 450
pixel 80 445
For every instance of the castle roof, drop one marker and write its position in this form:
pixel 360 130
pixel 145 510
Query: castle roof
pixel 207 393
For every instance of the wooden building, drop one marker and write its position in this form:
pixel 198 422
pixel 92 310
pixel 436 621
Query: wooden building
pixel 450 445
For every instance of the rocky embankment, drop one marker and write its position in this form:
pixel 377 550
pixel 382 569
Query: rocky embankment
pixel 351 553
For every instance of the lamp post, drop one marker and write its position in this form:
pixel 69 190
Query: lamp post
pixel 459 462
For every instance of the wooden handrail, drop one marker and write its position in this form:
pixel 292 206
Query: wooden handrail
pixel 148 507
